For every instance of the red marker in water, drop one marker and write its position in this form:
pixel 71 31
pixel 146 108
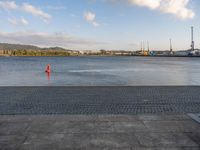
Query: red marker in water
pixel 48 68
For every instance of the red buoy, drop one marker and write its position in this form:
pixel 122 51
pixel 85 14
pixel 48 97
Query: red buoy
pixel 48 68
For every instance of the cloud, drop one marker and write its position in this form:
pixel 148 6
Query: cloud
pixel 24 21
pixel 49 39
pixel 152 4
pixel 16 22
pixel 35 11
pixel 25 7
pixel 56 8
pixel 7 5
pixel 178 8
pixel 90 17
pixel 96 24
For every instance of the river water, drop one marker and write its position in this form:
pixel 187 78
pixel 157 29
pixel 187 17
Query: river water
pixel 99 71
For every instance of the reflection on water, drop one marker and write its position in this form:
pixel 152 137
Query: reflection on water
pixel 99 71
pixel 48 75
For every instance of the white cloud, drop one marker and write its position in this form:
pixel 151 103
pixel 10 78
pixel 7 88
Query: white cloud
pixel 178 8
pixel 7 5
pixel 91 18
pixel 24 21
pixel 18 22
pixel 152 4
pixel 49 39
pixel 96 24
pixel 25 7
pixel 56 8
pixel 35 11
pixel 13 21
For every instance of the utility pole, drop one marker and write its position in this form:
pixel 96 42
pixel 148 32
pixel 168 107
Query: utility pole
pixel 192 38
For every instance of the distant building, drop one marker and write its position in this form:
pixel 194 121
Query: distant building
pixel 1 52
pixel 182 53
pixel 195 52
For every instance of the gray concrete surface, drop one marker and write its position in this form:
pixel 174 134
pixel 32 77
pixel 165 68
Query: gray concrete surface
pixel 97 132
pixel 99 118
pixel 99 100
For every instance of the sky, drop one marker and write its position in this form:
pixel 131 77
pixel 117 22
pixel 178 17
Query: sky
pixel 100 24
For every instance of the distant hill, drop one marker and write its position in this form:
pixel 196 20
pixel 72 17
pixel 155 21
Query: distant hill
pixel 6 46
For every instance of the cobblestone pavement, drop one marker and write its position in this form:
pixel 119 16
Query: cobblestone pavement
pixel 99 132
pixel 99 100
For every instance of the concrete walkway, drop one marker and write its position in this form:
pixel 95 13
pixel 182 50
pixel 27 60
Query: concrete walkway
pixel 99 118
pixel 97 132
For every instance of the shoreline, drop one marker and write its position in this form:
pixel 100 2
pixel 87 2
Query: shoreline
pixel 103 56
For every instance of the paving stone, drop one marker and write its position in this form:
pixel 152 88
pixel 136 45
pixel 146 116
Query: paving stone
pixel 99 100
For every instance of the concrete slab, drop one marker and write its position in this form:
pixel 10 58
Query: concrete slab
pixel 77 132
pixel 13 128
pixel 172 126
pixel 161 139
pixel 56 141
pixel 11 142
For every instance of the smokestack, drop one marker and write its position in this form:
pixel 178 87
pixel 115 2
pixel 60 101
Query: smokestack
pixel 171 49
pixel 143 45
pixel 148 46
pixel 192 38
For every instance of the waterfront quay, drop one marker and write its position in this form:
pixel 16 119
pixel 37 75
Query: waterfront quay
pixel 127 118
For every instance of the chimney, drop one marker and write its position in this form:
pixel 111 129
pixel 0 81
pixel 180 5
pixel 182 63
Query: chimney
pixel 192 38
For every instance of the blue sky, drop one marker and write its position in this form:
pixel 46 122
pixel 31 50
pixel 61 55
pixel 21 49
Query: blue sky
pixel 100 24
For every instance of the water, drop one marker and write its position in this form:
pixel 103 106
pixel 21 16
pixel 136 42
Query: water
pixel 99 71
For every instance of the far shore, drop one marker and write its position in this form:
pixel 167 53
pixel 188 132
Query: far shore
pixel 98 56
